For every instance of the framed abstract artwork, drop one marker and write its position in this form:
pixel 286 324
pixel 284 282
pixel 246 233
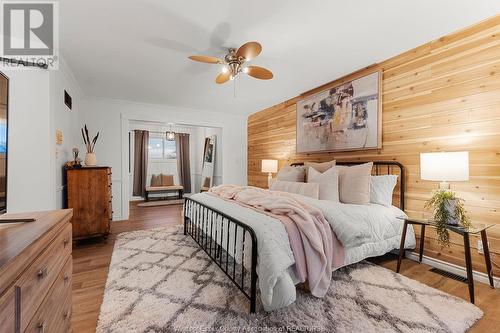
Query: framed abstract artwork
pixel 343 118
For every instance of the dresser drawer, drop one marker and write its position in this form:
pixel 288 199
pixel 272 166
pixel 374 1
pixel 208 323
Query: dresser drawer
pixel 35 282
pixel 54 315
pixel 8 311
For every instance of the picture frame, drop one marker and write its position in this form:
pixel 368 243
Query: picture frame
pixel 344 117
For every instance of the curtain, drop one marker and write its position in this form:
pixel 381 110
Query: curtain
pixel 183 164
pixel 140 162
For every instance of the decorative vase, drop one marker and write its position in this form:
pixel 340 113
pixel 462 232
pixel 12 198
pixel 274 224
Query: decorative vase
pixel 90 159
pixel 449 206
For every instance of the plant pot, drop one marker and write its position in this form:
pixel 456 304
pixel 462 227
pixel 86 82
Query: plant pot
pixel 450 206
pixel 90 159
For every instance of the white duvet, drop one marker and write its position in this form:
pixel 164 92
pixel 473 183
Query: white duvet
pixel 364 230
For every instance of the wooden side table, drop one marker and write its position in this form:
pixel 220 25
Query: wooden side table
pixel 465 232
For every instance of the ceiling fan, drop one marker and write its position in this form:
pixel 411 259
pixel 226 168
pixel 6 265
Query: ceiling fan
pixel 235 61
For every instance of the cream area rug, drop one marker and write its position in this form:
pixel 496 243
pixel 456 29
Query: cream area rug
pixel 161 281
pixel 168 202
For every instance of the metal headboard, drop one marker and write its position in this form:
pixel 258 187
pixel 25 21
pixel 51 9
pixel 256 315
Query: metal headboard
pixel 379 167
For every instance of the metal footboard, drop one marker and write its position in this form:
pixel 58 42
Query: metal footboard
pixel 226 241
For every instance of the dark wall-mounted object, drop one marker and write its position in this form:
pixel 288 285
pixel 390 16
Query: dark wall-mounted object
pixel 68 100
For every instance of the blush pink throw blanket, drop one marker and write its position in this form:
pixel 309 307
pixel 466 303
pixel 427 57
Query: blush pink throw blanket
pixel 315 247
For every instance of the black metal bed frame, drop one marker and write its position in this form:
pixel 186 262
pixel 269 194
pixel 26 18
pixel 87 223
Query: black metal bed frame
pixel 213 230
pixel 216 232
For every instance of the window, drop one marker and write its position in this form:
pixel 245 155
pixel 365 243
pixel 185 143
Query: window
pixel 169 149
pixel 161 148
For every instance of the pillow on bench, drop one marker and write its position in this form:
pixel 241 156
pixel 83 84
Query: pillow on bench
pixel 162 180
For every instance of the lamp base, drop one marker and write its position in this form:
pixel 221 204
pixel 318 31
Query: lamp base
pixel 269 179
pixel 444 186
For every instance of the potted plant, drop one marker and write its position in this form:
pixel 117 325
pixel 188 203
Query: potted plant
pixel 90 158
pixel 448 210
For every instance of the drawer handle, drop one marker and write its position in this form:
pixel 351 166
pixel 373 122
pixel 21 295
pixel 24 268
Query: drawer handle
pixel 41 273
pixel 66 278
pixel 41 327
pixel 66 314
pixel 65 242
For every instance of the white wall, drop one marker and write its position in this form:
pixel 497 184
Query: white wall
pixel 66 120
pixel 30 179
pixel 36 109
pixel 112 118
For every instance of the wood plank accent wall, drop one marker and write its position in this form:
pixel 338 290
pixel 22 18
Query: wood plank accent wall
pixel 441 96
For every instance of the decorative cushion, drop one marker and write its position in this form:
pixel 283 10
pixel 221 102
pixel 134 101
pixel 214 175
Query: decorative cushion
pixel 354 183
pixel 305 189
pixel 292 174
pixel 328 183
pixel 381 189
pixel 155 180
pixel 320 167
pixel 167 180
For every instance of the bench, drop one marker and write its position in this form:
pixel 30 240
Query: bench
pixel 163 184
pixel 165 189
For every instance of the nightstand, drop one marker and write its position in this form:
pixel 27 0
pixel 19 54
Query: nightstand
pixel 475 228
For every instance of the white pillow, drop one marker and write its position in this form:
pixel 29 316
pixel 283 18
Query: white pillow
pixel 381 189
pixel 306 189
pixel 321 167
pixel 292 174
pixel 328 183
pixel 354 183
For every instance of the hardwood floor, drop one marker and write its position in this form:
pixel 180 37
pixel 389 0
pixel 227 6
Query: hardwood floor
pixel 91 261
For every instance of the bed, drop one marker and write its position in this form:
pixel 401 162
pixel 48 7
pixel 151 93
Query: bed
pixel 253 249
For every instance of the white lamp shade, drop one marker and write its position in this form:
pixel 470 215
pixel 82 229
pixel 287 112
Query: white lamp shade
pixel 270 166
pixel 452 166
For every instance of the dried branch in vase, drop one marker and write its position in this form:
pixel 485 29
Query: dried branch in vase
pixel 89 144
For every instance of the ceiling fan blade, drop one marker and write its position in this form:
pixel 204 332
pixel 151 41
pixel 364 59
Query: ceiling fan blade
pixel 206 59
pixel 222 78
pixel 259 72
pixel 249 50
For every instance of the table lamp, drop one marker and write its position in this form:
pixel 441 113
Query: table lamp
pixel 444 167
pixel 269 166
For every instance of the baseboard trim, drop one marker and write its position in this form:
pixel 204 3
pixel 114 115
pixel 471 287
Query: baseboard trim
pixel 456 269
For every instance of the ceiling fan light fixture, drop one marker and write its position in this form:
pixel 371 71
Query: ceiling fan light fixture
pixel 236 62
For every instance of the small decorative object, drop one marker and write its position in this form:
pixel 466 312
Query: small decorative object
pixel 76 151
pixel 448 210
pixel 90 158
pixel 343 118
pixel 269 166
pixel 77 162
pixel 59 137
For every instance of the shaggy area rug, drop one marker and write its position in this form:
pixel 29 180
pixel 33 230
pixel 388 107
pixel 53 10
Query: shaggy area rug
pixel 161 281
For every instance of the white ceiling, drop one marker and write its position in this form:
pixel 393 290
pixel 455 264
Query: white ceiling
pixel 137 49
